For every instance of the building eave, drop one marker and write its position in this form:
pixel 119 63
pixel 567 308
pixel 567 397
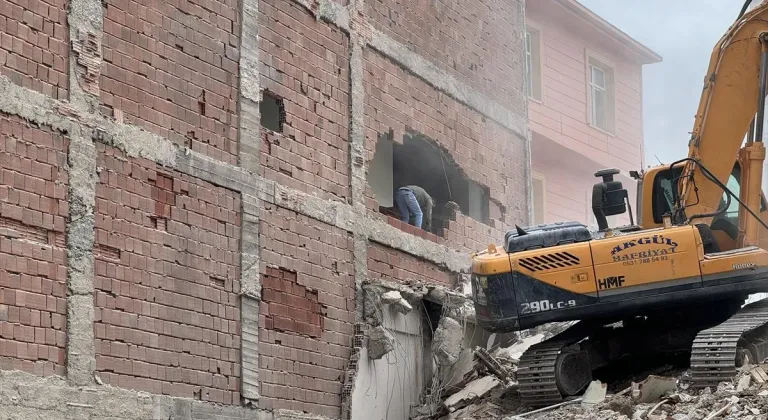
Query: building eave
pixel 645 54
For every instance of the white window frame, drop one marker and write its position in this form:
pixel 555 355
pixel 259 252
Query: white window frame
pixel 537 177
pixel 595 61
pixel 532 48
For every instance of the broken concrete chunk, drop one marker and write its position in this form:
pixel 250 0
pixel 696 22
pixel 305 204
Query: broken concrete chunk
pixel 759 375
pixel 475 389
pixel 652 388
pixel 744 383
pixel 391 297
pixel 372 307
pixel 397 301
pixel 380 342
pixel 446 343
pixel 594 394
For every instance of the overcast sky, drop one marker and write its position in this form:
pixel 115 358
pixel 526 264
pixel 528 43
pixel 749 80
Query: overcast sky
pixel 683 32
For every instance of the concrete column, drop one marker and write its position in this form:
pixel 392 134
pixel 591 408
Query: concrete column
pixel 358 168
pixel 81 350
pixel 249 140
pixel 85 18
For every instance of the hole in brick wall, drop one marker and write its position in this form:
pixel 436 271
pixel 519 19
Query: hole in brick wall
pixel 107 252
pixel 159 223
pixel 201 103
pixel 272 112
pixel 420 161
pixel 218 282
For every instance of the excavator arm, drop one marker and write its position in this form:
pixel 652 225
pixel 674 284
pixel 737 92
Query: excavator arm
pixel 723 119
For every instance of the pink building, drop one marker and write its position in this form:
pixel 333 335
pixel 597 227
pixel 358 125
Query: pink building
pixel 585 106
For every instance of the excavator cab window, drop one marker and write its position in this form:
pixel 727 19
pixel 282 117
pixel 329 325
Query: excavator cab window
pixel 665 192
pixel 728 222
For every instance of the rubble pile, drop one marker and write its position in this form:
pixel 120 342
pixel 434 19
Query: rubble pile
pixel 490 391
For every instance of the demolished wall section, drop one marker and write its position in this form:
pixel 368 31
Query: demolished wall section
pixel 166 78
pixel 489 154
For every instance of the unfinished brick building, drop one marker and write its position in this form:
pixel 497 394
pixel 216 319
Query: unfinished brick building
pixel 193 193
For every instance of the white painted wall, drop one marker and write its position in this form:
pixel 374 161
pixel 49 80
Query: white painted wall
pixel 386 388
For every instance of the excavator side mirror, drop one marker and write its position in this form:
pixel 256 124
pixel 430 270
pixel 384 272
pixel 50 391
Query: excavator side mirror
pixel 609 197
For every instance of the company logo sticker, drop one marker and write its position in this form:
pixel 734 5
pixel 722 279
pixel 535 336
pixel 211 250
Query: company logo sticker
pixel 610 282
pixel 623 252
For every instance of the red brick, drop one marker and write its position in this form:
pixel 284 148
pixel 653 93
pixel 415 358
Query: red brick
pixel 311 59
pixel 302 298
pixel 159 83
pixel 26 56
pixel 30 291
pixel 187 322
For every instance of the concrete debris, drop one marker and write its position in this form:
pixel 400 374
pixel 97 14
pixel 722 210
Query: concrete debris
pixel 653 388
pixel 744 383
pixel 446 343
pixel 391 297
pixel 478 388
pixel 396 300
pixel 594 394
pixel 491 363
pixel 759 375
pixel 516 351
pixel 380 342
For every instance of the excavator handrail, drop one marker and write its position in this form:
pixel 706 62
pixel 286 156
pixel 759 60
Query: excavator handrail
pixel 722 186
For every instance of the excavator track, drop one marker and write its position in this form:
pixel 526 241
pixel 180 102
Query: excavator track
pixel 714 351
pixel 537 370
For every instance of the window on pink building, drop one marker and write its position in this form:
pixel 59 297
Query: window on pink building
pixel 533 63
pixel 601 94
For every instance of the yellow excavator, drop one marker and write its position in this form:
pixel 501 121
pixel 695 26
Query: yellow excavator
pixel 675 281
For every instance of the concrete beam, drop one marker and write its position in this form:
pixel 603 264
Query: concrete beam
pixel 27 396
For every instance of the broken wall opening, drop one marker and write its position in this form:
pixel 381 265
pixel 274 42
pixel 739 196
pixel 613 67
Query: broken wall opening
pixel 419 160
pixel 419 348
pixel 272 112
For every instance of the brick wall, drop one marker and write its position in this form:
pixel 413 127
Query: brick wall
pixel 33 45
pixel 385 263
pixel 172 68
pixel 33 207
pixel 306 313
pixel 167 279
pixel 488 153
pixel 305 62
pixel 469 235
pixel 479 42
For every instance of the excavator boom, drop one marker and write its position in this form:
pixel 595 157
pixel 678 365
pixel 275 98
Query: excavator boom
pixel 726 112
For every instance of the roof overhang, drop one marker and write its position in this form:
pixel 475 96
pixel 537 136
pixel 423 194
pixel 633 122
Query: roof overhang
pixel 642 53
